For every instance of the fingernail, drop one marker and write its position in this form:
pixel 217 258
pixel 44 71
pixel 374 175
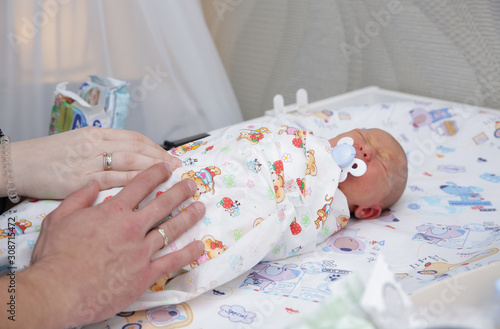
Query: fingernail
pixel 192 185
pixel 168 166
pixel 200 207
pixel 201 246
pixel 176 162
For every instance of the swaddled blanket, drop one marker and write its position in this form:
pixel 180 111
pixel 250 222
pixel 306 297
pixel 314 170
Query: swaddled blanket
pixel 270 193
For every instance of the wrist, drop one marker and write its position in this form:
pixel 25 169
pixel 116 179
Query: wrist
pixel 8 185
pixel 56 293
pixel 18 160
pixel 35 301
pixel 40 297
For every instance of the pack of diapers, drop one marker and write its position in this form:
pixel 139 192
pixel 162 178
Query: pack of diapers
pixel 101 102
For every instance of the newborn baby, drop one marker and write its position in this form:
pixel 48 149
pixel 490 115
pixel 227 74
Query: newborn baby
pixel 274 191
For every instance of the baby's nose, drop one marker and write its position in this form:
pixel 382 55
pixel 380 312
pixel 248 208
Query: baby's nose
pixel 365 153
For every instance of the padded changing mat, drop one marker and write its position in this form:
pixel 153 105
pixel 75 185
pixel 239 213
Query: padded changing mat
pixel 447 222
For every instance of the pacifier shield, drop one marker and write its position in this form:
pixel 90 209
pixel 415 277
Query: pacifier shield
pixel 343 154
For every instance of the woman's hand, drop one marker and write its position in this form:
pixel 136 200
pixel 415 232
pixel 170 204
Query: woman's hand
pixel 91 262
pixel 52 167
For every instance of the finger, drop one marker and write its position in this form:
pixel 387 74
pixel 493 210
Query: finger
pixel 166 202
pixel 144 183
pixel 121 135
pixel 176 260
pixel 80 199
pixel 109 179
pixel 126 161
pixel 136 147
pixel 124 158
pixel 131 140
pixel 175 226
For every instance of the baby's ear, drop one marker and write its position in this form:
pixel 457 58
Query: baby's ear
pixel 370 212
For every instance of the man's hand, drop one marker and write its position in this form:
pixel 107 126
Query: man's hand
pixel 91 262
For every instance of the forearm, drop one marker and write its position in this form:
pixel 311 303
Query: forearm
pixel 28 302
pixel 8 298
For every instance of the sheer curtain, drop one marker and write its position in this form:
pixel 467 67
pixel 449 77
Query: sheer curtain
pixel 178 84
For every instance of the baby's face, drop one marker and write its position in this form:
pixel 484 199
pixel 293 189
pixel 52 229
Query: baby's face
pixel 385 177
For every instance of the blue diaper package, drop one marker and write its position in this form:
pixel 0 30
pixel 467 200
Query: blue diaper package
pixel 101 102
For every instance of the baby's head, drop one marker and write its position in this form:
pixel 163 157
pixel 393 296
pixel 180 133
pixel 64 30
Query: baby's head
pixel 386 174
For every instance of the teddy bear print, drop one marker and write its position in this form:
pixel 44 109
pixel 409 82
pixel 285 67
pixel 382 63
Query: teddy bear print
pixel 212 249
pixel 253 136
pixel 311 163
pixel 204 180
pixel 18 229
pixel 160 284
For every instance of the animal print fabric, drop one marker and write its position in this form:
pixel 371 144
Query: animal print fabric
pixel 270 192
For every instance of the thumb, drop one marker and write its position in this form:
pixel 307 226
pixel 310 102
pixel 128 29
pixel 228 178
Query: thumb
pixel 77 200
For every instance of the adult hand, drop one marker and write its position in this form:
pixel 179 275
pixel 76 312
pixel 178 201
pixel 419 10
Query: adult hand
pixel 91 262
pixel 52 167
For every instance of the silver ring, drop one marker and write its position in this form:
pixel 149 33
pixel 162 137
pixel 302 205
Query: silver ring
pixel 164 236
pixel 106 161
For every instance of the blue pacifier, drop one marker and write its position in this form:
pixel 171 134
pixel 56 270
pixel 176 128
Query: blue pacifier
pixel 344 155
